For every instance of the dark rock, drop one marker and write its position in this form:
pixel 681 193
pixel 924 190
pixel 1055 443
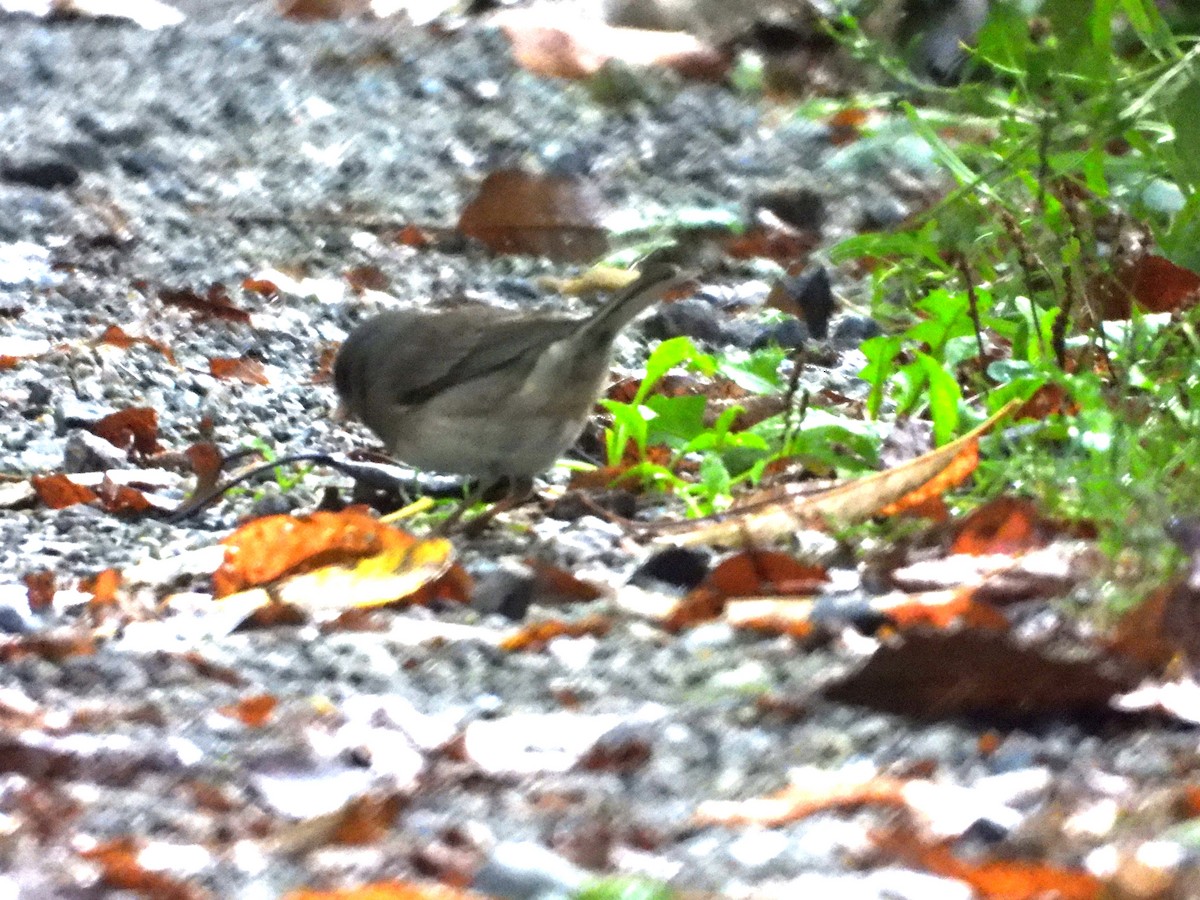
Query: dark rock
pixel 87 453
pixel 789 333
pixel 682 567
pixel 881 213
pixel 85 154
pixel 692 318
pixel 575 504
pixel 802 207
pixel 850 331
pixel 272 504
pixel 46 173
pixel 508 590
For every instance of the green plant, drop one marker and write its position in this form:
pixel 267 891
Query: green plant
pixel 721 455
pixel 286 478
pixel 1076 147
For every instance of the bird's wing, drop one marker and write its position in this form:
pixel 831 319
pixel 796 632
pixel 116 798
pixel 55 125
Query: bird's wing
pixel 427 354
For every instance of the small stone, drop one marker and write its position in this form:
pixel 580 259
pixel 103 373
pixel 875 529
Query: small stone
pixel 851 331
pixel 87 453
pixel 690 318
pixel 507 590
pixel 525 870
pixel 681 567
pixel 46 173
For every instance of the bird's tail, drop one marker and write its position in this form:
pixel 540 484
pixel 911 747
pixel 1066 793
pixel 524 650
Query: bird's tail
pixel 654 280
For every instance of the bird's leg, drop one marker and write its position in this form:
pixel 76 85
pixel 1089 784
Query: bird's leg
pixel 473 496
pixel 519 490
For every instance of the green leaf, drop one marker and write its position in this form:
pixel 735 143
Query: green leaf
pixel 1181 241
pixel 676 420
pixel 1004 39
pixel 1148 22
pixel 881 354
pixel 714 476
pixel 666 356
pixel 944 398
pixel 757 372
pixel 629 424
pixel 1184 117
pixel 953 162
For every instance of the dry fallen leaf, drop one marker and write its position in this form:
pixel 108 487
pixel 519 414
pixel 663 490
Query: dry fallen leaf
pixel 214 303
pixel 820 791
pixel 136 428
pixel 254 711
pixel 987 673
pixel 387 890
pixel 568 46
pixel 336 561
pixel 121 870
pixel 60 491
pixel 116 336
pixel 992 880
pixel 783 510
pixel 556 216
pixel 240 368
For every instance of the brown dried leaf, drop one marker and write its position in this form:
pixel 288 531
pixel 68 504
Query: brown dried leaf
pixel 136 427
pixel 556 216
pixel 116 336
pixel 780 511
pixel 40 588
pixel 240 368
pixel 121 871
pixel 214 303
pixel 59 491
pixel 969 672
pixel 254 711
pixel 576 48
pixel 799 801
pixel 996 879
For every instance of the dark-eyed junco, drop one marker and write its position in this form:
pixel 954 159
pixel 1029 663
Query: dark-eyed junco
pixel 486 392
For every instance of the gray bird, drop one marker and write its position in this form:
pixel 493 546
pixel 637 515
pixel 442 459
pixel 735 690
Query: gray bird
pixel 486 392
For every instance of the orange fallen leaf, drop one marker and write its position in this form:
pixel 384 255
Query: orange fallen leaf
pixel 121 498
pixel 254 711
pixel 268 548
pixel 994 880
pixel 136 427
pixel 536 635
pixel 365 820
pixel 52 646
pixel 334 561
pixel 116 336
pixel 366 278
pixel 103 587
pixel 750 573
pixel 780 511
pixel 59 491
pixel 239 368
pixel 40 589
pixel 262 286
pixel 121 870
pixel 959 469
pixel 387 890
pixel 1004 525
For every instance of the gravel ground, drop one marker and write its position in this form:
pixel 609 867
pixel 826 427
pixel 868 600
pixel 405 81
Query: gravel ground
pixel 238 143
